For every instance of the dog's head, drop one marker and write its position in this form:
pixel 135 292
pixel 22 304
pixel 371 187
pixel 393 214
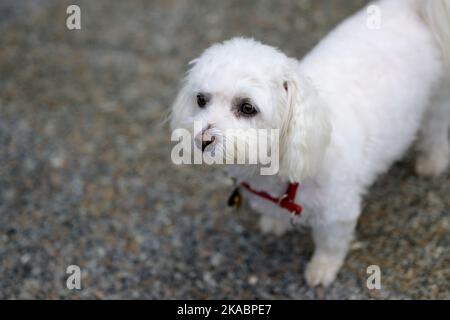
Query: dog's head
pixel 241 84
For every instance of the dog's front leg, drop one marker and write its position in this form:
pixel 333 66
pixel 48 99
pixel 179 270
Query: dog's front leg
pixel 332 240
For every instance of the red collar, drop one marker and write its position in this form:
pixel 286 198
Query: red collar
pixel 286 201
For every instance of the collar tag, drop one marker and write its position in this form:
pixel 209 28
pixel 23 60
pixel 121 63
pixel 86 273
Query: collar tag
pixel 235 199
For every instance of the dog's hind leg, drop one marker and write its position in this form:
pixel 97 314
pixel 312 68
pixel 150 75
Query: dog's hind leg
pixel 433 143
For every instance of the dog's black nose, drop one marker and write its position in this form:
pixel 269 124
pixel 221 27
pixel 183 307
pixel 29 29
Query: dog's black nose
pixel 206 143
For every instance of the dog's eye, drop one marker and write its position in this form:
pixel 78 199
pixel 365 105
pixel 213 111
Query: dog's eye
pixel 247 109
pixel 201 100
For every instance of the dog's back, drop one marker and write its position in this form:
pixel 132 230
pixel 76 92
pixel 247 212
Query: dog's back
pixel 378 83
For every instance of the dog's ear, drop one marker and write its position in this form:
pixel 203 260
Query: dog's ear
pixel 306 130
pixel 181 107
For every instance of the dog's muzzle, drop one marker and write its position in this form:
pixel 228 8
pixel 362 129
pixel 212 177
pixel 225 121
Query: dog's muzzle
pixel 205 139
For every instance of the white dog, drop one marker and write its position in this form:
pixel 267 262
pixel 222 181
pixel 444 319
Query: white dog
pixel 346 112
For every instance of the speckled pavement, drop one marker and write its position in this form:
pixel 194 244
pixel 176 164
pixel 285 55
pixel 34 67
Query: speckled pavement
pixel 86 176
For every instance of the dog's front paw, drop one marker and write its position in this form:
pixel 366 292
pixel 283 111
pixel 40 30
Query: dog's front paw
pixel 322 271
pixel 269 225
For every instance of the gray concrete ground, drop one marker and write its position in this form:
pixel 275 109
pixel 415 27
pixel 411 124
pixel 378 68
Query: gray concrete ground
pixel 86 177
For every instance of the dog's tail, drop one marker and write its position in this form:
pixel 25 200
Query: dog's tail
pixel 437 15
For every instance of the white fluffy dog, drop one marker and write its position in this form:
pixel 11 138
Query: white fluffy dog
pixel 346 112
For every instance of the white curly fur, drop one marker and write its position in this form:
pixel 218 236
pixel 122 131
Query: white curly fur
pixel 346 112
